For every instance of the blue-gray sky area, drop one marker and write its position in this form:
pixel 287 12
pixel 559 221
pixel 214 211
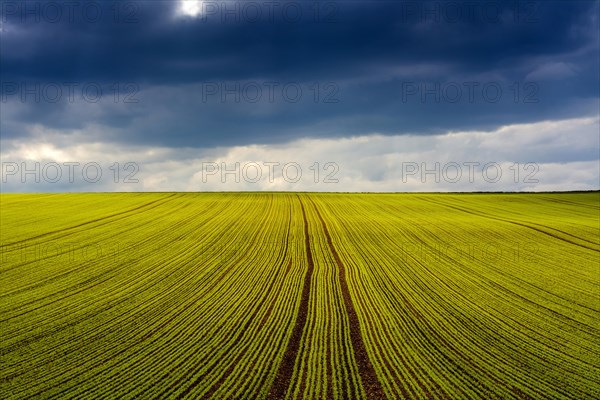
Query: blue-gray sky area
pixel 373 93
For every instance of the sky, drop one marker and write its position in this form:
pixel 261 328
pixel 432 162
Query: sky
pixel 386 96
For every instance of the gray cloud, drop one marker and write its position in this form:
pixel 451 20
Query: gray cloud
pixel 142 76
pixel 386 67
pixel 549 155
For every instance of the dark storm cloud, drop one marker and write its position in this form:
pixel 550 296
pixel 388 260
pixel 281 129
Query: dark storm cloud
pixel 382 66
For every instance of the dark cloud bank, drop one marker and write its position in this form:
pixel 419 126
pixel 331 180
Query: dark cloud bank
pixel 268 72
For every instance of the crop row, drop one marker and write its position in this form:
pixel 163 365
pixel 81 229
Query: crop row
pixel 323 296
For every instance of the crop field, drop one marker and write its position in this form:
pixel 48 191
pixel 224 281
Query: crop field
pixel 298 295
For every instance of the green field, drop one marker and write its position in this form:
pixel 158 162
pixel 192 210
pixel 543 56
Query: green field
pixel 284 295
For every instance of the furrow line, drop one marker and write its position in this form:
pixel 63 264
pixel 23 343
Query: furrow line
pixel 367 373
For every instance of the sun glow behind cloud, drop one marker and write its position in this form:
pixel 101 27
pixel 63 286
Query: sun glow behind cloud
pixel 190 8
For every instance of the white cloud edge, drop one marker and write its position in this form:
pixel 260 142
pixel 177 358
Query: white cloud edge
pixel 374 162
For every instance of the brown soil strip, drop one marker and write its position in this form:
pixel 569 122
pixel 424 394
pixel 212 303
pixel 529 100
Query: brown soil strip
pixel 286 368
pixel 368 376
